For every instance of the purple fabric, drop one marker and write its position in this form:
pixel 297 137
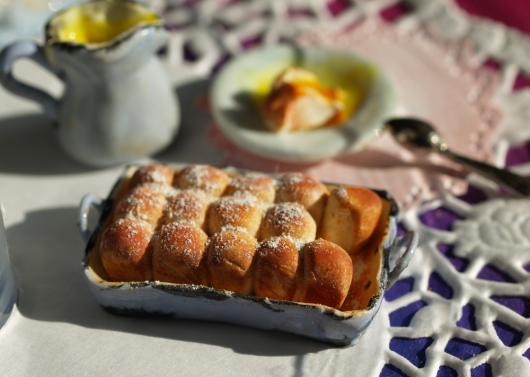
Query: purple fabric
pixel 507 334
pixel 514 13
pixel 411 349
pixel 467 320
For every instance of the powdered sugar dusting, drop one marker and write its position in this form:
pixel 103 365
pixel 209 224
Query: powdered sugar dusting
pixel 341 193
pixel 286 214
pixel 153 173
pixel 163 189
pixel 292 178
pixel 185 240
pixel 232 208
pixel 276 242
pixel 185 206
pixel 202 177
pixel 128 236
pixel 227 241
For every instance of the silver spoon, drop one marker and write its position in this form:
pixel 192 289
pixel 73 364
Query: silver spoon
pixel 416 133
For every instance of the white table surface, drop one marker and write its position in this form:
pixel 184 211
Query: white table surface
pixel 58 329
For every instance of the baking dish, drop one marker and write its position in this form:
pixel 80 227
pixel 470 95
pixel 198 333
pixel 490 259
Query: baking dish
pixel 205 303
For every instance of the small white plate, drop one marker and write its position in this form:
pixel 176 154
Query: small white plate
pixel 240 85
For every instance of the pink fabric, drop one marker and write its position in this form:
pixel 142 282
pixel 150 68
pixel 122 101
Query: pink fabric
pixel 514 13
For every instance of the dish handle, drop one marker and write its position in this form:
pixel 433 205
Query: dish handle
pixel 401 253
pixel 88 202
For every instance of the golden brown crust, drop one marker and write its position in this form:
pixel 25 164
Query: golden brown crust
pixel 258 185
pixel 230 256
pixel 125 250
pixel 365 281
pixel 288 219
pixel 327 274
pixel 154 231
pixel 298 101
pixel 300 188
pixel 202 177
pixel 276 268
pixel 153 173
pixel 236 212
pixel 179 254
pixel 186 206
pixel 350 217
pixel 146 202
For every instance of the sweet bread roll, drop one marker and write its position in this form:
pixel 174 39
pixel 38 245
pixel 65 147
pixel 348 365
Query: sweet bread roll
pixel 236 212
pixel 186 206
pixel 202 177
pixel 125 251
pixel 365 283
pixel 350 217
pixel 145 202
pixel 260 186
pixel 327 274
pixel 230 256
pixel 179 252
pixel 288 219
pixel 154 173
pixel 276 268
pixel 300 188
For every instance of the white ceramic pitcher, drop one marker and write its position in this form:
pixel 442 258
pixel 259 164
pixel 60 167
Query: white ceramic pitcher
pixel 118 104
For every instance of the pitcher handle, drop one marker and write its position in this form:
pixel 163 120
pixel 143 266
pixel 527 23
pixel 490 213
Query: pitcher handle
pixel 35 52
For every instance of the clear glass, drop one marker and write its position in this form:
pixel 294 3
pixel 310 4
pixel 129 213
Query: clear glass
pixel 7 281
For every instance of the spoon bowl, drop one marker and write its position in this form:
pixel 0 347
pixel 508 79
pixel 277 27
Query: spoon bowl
pixel 415 133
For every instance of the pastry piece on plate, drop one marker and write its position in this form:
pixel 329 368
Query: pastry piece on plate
pixel 300 188
pixel 327 274
pixel 288 219
pixel 242 212
pixel 179 254
pixel 186 206
pixel 350 217
pixel 258 185
pixel 124 249
pixel 229 261
pixel 276 268
pixel 298 101
pixel 202 177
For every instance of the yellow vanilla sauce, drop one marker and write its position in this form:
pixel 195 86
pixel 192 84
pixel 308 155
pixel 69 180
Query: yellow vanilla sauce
pixel 352 87
pixel 99 21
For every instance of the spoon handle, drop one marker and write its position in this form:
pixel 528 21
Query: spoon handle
pixel 515 183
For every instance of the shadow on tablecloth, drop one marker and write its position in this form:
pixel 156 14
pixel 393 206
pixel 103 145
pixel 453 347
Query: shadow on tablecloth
pixel 46 251
pixel 29 145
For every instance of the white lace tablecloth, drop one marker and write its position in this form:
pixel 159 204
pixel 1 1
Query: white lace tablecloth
pixel 58 329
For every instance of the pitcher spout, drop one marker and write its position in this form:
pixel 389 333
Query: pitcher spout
pixel 102 24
